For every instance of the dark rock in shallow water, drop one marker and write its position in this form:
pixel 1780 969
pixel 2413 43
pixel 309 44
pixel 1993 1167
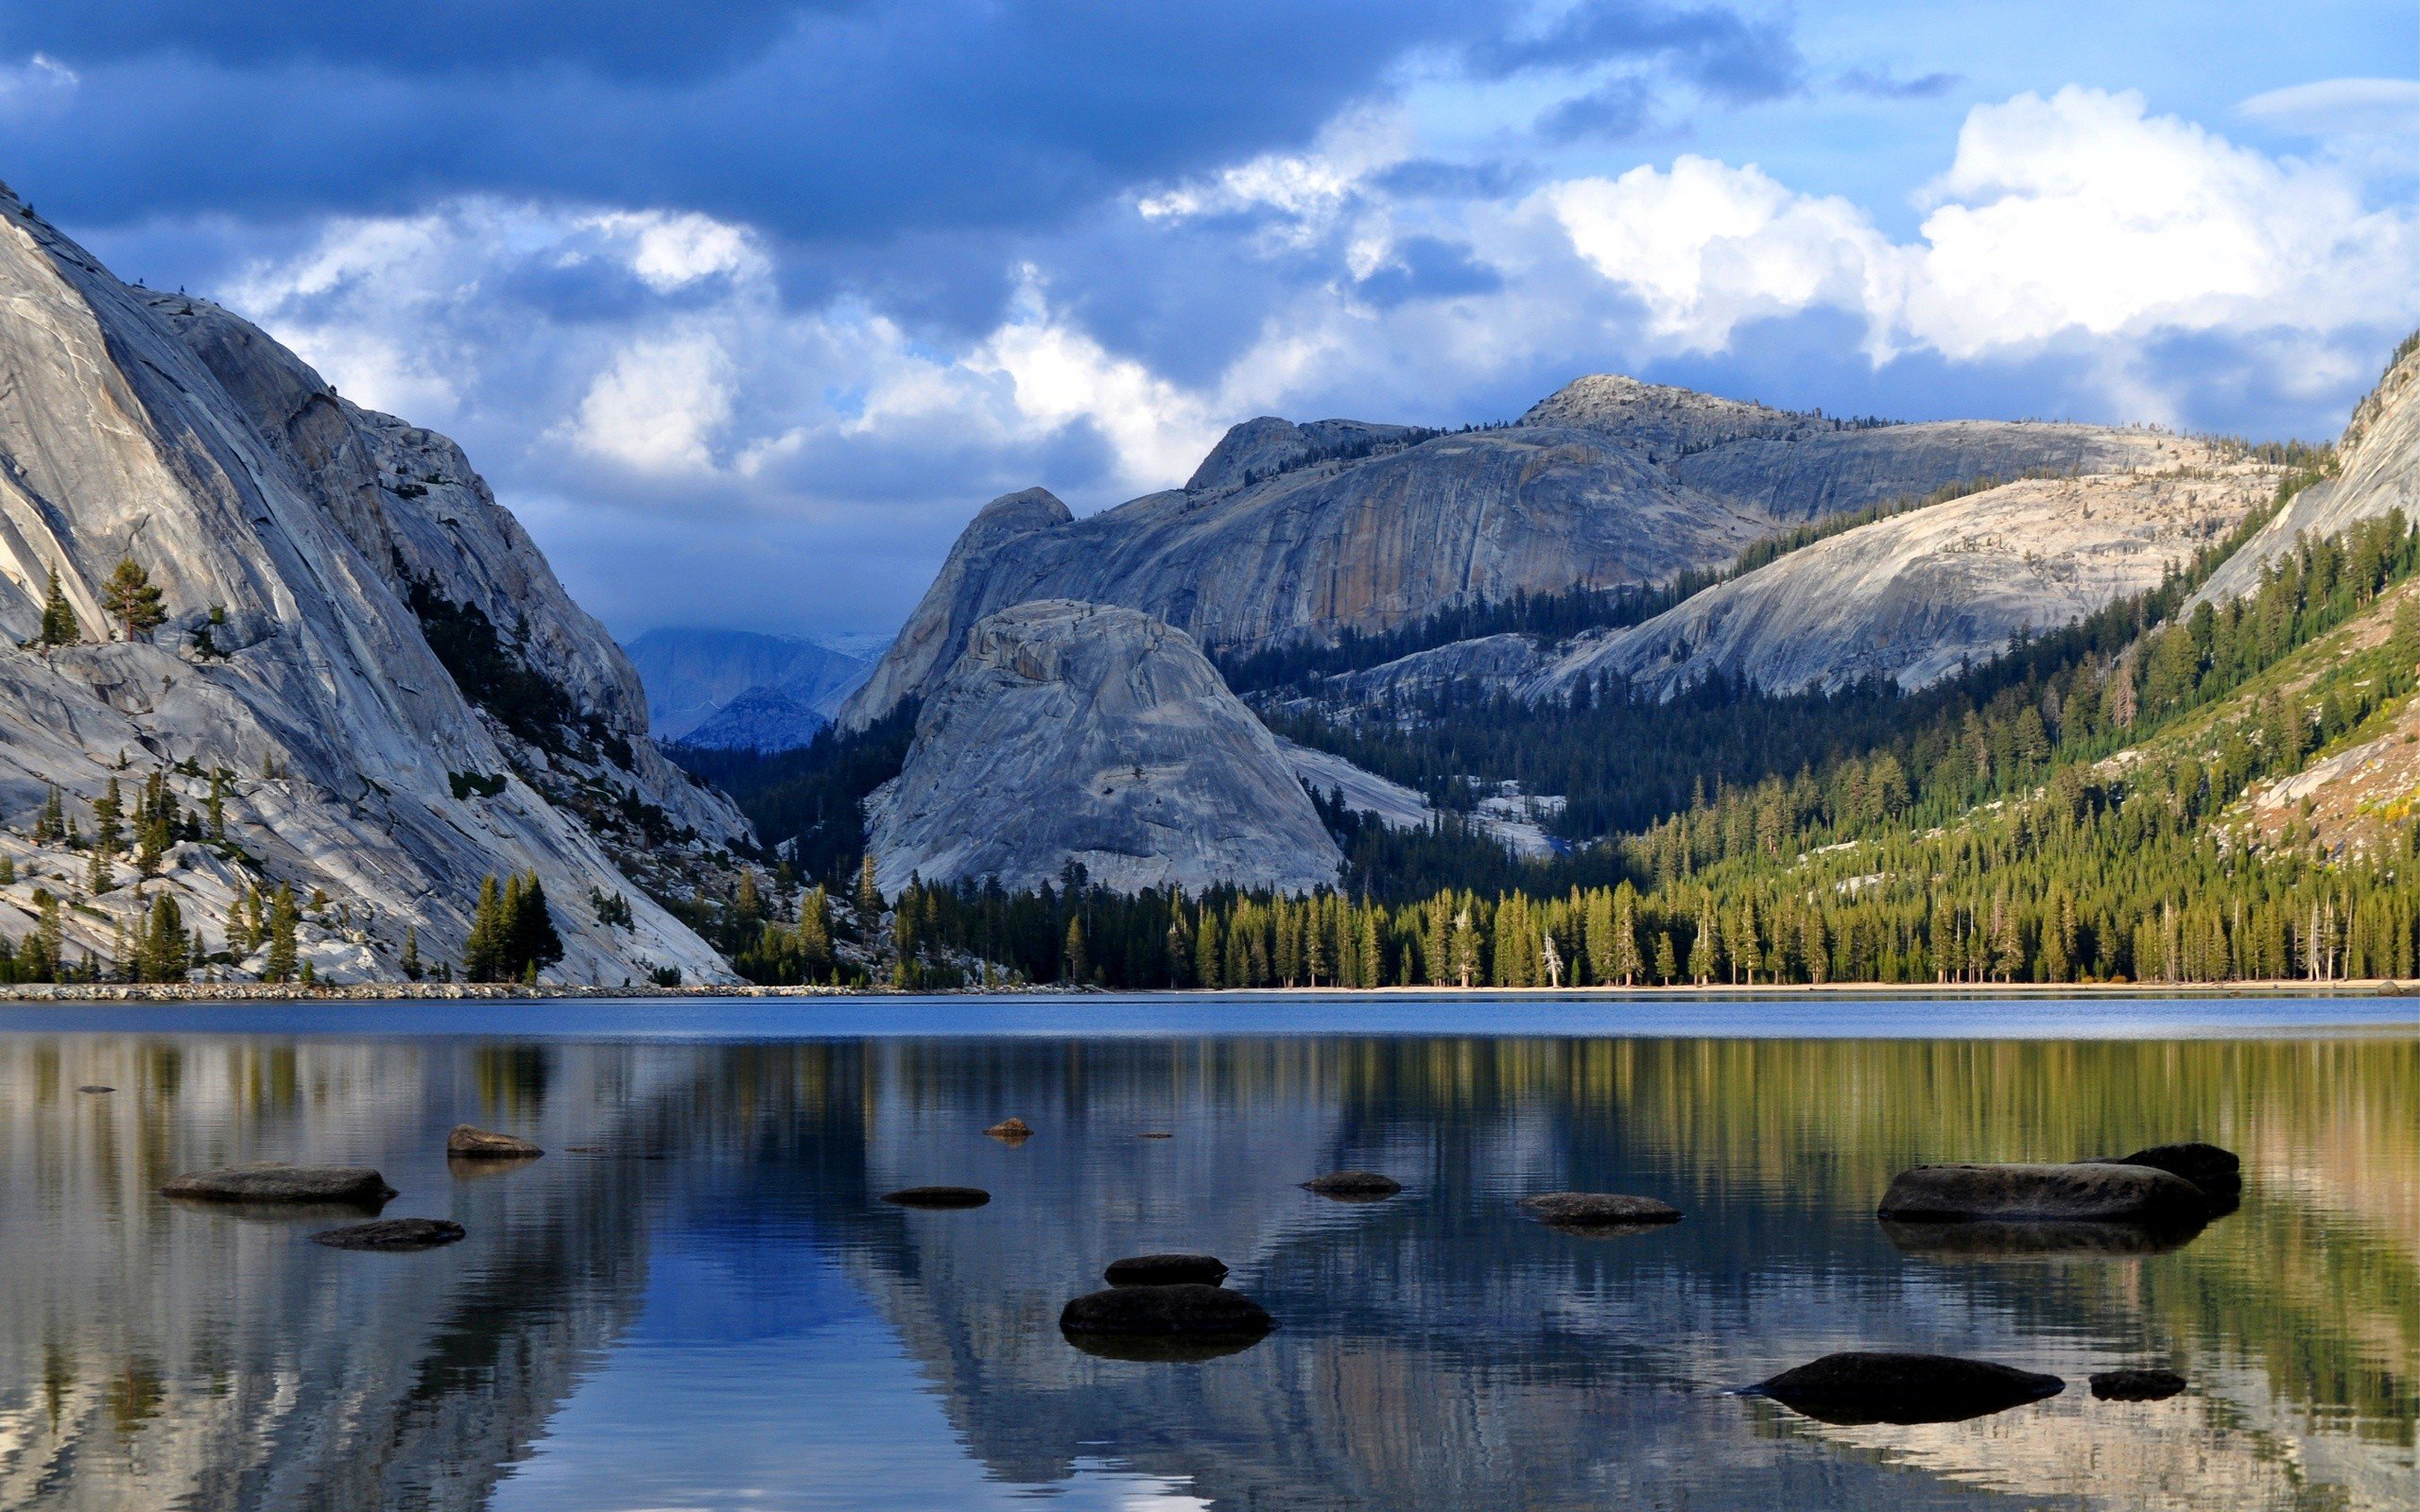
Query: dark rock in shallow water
pixel 1599 1211
pixel 2137 1386
pixel 1187 1310
pixel 392 1235
pixel 469 1143
pixel 96 1089
pixel 2086 1191
pixel 1859 1388
pixel 1992 1239
pixel 938 1198
pixel 1354 1186
pixel 1011 1129
pixel 1165 1270
pixel 340 1185
pixel 1157 1134
pixel 2217 1172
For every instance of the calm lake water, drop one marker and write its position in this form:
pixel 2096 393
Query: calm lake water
pixel 704 1305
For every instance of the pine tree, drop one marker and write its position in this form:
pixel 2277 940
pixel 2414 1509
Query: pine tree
pixel 282 955
pixel 1080 968
pixel 868 899
pixel 1206 955
pixel 163 956
pixel 132 600
pixel 58 626
pixel 217 810
pixel 411 952
pixel 1701 961
pixel 483 947
pixel 109 834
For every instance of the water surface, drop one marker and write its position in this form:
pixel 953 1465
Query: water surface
pixel 695 1301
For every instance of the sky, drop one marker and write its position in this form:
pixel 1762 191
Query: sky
pixel 746 308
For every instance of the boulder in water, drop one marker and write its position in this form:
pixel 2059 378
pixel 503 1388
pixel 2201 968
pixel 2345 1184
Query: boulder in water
pixel 2216 1171
pixel 2086 1191
pixel 96 1089
pixel 938 1198
pixel 2137 1386
pixel 1186 1311
pixel 1860 1387
pixel 270 1181
pixel 1354 1186
pixel 392 1235
pixel 1599 1211
pixel 469 1143
pixel 1015 1130
pixel 1165 1270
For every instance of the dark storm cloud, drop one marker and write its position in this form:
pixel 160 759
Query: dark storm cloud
pixel 1429 268
pixel 1722 52
pixel 1609 112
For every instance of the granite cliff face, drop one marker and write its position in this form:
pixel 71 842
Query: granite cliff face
pixel 1093 734
pixel 1914 596
pixel 2377 470
pixel 1308 531
pixel 394 694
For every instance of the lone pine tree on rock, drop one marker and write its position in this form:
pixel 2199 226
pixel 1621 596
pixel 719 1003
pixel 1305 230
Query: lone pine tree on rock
pixel 58 626
pixel 133 600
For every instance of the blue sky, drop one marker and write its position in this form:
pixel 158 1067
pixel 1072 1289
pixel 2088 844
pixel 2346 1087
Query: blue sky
pixel 746 308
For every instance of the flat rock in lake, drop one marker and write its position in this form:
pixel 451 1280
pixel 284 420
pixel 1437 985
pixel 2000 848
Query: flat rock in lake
pixel 96 1089
pixel 938 1198
pixel 1861 1387
pixel 1354 1186
pixel 1165 1270
pixel 2137 1386
pixel 392 1235
pixel 1012 1129
pixel 470 1143
pixel 269 1181
pixel 1607 1211
pixel 2084 1192
pixel 1155 1134
pixel 1186 1311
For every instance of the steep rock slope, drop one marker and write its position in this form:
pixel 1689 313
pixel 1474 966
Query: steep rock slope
pixel 1093 734
pixel 2378 471
pixel 1913 596
pixel 1367 528
pixel 289 532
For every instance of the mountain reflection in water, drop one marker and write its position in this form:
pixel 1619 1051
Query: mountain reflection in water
pixel 698 1300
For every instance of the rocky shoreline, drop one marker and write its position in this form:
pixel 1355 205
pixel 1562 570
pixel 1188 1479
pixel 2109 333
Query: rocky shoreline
pixel 113 992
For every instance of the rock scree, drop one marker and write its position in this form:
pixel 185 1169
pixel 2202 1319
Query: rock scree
pixel 1860 1387
pixel 2086 1191
pixel 1188 1310
pixel 2137 1386
pixel 394 1236
pixel 468 1142
pixel 1165 1270
pixel 1354 1186
pixel 938 1198
pixel 269 1181
pixel 1599 1209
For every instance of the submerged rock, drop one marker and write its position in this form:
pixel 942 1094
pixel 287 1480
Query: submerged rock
pixel 938 1198
pixel 1860 1387
pixel 343 1185
pixel 2086 1191
pixel 1165 1270
pixel 96 1089
pixel 1011 1129
pixel 1354 1186
pixel 1606 1211
pixel 392 1235
pixel 2137 1386
pixel 1186 1311
pixel 1157 1134
pixel 1994 1239
pixel 469 1143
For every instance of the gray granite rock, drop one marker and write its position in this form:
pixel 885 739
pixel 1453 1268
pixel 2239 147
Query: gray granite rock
pixel 1094 735
pixel 274 1182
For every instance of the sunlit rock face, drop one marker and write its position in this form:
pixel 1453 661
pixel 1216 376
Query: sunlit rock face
pixel 1308 531
pixel 2379 471
pixel 1913 598
pixel 1094 735
pixel 308 551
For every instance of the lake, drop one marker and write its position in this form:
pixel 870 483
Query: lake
pixel 696 1300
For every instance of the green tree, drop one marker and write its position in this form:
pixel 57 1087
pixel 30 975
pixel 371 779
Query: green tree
pixel 109 831
pixel 280 966
pixel 133 600
pixel 411 952
pixel 163 953
pixel 59 625
pixel 1079 961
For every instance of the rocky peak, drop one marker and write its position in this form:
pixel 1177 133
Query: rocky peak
pixel 1259 447
pixel 1097 734
pixel 1658 417
pixel 1011 515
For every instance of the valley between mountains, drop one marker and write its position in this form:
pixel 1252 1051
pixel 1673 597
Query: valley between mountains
pixel 1643 686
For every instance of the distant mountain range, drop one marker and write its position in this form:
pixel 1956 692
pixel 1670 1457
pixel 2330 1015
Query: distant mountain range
pixel 740 690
